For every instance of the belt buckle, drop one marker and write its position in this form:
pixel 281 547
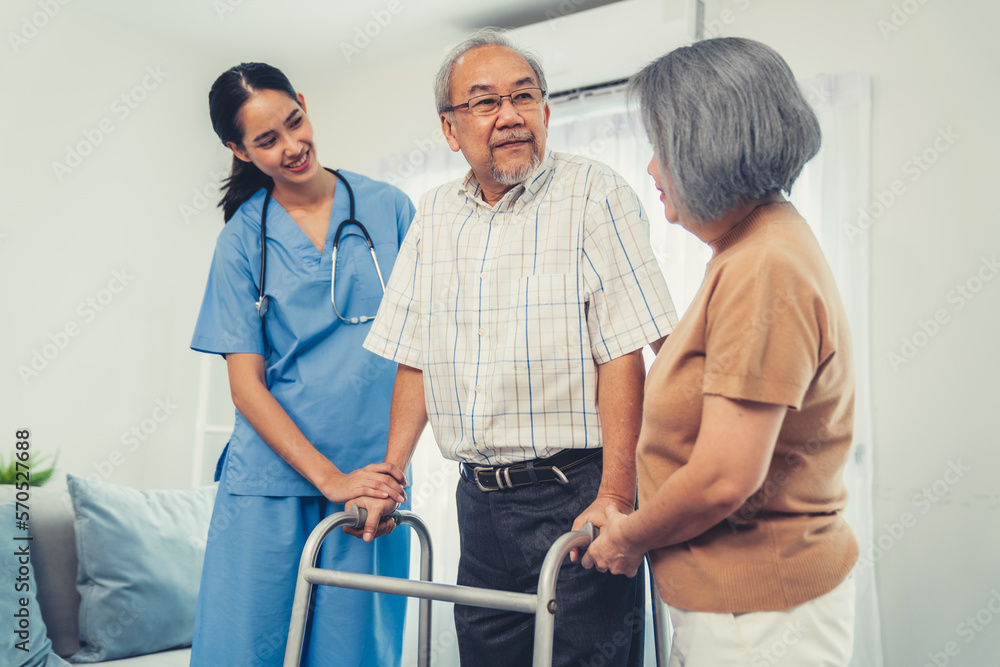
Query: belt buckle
pixel 475 476
pixel 560 475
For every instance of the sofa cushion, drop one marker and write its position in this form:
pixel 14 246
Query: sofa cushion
pixel 55 566
pixel 140 557
pixel 177 658
pixel 25 643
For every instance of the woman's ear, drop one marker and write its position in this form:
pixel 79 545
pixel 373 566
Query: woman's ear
pixel 302 101
pixel 238 151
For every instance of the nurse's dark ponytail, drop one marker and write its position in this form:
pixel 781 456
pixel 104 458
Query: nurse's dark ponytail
pixel 228 95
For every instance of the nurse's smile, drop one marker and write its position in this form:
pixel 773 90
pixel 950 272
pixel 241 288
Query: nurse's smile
pixel 301 163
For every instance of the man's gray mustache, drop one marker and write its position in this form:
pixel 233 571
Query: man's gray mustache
pixel 513 137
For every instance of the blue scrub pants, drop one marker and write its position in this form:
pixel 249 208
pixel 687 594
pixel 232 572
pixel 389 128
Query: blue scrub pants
pixel 505 534
pixel 248 582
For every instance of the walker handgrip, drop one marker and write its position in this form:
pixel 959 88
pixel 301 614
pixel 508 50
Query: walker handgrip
pixel 590 530
pixel 360 516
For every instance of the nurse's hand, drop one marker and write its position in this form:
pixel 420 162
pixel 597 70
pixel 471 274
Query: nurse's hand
pixel 377 508
pixel 378 480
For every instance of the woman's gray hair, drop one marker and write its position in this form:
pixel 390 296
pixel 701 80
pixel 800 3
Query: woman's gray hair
pixel 728 123
pixel 482 37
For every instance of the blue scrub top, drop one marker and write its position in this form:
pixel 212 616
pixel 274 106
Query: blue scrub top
pixel 335 391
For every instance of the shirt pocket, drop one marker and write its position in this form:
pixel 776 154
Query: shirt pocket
pixel 547 325
pixel 358 287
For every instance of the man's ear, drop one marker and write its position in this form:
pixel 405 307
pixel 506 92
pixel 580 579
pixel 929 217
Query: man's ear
pixel 237 151
pixel 448 129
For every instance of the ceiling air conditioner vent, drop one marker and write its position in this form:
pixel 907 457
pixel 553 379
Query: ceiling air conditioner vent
pixel 587 48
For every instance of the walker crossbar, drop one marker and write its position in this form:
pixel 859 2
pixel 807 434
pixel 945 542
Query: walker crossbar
pixel 355 518
pixel 467 595
pixel 542 605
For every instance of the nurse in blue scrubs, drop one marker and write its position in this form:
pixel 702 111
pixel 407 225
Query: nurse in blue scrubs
pixel 312 406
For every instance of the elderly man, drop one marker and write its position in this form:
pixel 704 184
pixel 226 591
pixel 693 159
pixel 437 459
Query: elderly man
pixel 517 312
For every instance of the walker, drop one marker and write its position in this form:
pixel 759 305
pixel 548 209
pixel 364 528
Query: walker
pixel 542 604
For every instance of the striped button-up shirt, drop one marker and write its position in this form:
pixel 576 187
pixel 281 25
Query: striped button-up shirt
pixel 508 310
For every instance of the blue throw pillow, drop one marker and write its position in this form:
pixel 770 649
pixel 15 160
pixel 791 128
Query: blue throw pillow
pixel 25 644
pixel 140 556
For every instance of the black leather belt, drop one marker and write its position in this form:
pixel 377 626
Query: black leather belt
pixel 526 473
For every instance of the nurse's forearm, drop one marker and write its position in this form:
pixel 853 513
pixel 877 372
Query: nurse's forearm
pixel 407 415
pixel 259 407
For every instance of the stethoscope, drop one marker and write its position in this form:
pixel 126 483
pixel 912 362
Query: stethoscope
pixel 262 299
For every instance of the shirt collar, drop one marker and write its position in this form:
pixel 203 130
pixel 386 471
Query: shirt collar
pixel 753 221
pixel 520 195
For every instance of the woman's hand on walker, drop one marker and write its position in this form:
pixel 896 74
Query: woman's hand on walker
pixel 597 514
pixel 611 551
pixel 377 480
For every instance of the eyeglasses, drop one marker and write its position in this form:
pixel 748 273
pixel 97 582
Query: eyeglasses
pixel 486 105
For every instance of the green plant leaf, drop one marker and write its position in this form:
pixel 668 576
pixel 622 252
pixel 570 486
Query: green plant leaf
pixel 38 474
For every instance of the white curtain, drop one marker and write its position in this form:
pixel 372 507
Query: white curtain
pixel 832 190
pixel 829 193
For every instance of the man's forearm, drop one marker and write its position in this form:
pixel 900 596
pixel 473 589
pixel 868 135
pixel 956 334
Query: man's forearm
pixel 619 402
pixel 407 415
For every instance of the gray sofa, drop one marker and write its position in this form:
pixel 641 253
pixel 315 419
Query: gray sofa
pixel 54 564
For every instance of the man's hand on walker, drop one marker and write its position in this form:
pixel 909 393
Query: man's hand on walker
pixel 374 527
pixel 611 552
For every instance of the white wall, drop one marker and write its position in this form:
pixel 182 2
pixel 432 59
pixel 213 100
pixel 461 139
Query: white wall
pixel 67 234
pixel 61 241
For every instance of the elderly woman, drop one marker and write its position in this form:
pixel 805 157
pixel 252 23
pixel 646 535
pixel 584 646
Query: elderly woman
pixel 748 411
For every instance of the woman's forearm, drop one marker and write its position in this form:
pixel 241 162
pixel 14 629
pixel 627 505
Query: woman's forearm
pixel 729 462
pixel 684 506
pixel 272 423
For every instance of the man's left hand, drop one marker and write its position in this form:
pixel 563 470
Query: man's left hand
pixel 611 551
pixel 596 513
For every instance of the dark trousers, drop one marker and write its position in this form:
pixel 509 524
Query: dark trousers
pixel 504 536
